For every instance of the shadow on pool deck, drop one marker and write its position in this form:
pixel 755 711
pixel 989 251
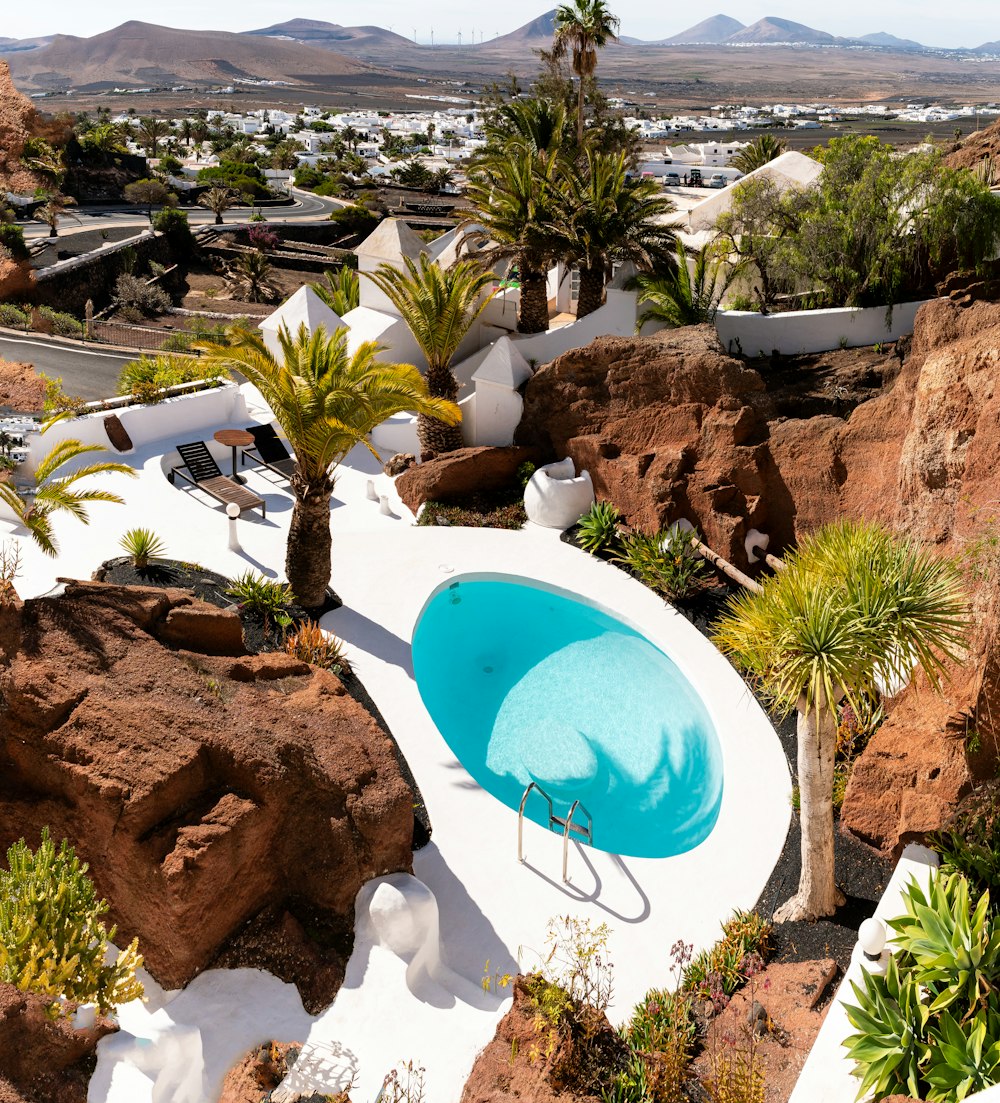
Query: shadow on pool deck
pixel 353 627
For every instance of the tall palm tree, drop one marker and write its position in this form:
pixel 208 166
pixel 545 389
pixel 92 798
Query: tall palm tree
pixel 54 491
pixel 341 292
pixel 582 28
pixel 680 296
pixel 606 218
pixel 326 400
pixel 856 609
pixel 764 148
pixel 514 197
pixel 439 306
pixel 539 122
pixel 151 130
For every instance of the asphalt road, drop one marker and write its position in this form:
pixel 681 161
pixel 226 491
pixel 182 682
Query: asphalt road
pixel 86 373
pixel 307 208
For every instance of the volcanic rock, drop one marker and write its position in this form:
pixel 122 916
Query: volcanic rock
pixel 461 472
pixel 671 427
pixel 520 1064
pixel 226 806
pixel 18 123
pixel 21 390
pixel 44 1059
pixel 791 997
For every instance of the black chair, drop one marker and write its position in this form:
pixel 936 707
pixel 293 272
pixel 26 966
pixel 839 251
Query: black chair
pixel 204 473
pixel 269 451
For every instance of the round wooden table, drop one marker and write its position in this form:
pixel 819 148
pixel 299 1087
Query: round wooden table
pixel 235 438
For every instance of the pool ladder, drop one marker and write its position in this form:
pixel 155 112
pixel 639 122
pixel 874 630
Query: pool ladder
pixel 566 824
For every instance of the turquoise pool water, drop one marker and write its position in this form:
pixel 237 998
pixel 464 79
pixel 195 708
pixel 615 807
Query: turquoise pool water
pixel 525 684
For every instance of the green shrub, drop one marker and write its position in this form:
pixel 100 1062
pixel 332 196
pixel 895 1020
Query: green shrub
pixel 13 317
pixel 148 298
pixel 12 239
pixel 160 372
pixel 716 973
pixel 971 846
pixel 355 220
pixel 663 561
pixel 143 547
pixel 57 400
pixel 174 226
pixel 524 472
pixel 662 1033
pixel 598 531
pixel 52 939
pixel 257 594
pixel 243 178
pixel 65 325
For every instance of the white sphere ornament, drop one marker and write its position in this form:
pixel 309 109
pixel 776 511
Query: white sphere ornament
pixel 871 938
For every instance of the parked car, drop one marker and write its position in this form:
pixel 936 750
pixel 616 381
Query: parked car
pixel 717 181
pixel 696 181
pixel 672 180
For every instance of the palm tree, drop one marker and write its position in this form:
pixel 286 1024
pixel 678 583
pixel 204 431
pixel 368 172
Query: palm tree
pixel 582 28
pixel 856 609
pixel 679 296
pixel 341 292
pixel 438 305
pixel 539 122
pixel 53 209
pixel 764 148
pixel 151 130
pixel 326 401
pixel 606 218
pixel 249 276
pixel 514 199
pixel 53 492
pixel 218 200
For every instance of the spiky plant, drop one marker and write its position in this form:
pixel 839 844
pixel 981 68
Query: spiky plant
pixel 680 296
pixel 764 148
pixel 341 292
pixel 143 547
pixel 857 608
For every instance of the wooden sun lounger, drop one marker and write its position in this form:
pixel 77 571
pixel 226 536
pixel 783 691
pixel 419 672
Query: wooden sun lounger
pixel 269 450
pixel 204 473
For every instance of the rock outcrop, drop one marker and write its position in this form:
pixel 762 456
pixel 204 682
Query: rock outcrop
pixel 21 389
pixel 18 123
pixel 44 1059
pixel 672 427
pixel 230 807
pixel 461 472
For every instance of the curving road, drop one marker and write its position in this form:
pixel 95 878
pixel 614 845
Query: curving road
pixel 307 208
pixel 86 373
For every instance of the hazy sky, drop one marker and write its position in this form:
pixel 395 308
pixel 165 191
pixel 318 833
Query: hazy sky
pixel 957 23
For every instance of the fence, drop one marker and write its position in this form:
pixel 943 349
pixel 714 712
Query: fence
pixel 146 338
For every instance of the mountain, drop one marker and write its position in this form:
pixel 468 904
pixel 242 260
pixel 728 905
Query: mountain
pixel 988 48
pixel 771 29
pixel 142 54
pixel 538 32
pixel 16 45
pixel 890 41
pixel 332 36
pixel 713 30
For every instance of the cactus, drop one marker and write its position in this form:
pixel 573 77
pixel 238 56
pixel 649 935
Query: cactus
pixel 52 940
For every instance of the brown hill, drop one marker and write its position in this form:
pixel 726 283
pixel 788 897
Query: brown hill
pixel 332 36
pixel 147 55
pixel 772 29
pixel 538 32
pixel 715 29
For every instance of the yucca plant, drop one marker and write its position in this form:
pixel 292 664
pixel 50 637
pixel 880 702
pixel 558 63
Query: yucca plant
pixel 266 596
pixel 143 547
pixel 312 645
pixel 855 608
pixel 663 561
pixel 598 528
pixel 52 938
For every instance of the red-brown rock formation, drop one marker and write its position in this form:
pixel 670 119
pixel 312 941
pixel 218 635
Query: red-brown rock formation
pixel 461 472
pixel 41 1059
pixel 225 805
pixel 672 427
pixel 21 390
pixel 18 123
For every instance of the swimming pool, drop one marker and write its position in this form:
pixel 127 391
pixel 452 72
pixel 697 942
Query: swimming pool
pixel 527 684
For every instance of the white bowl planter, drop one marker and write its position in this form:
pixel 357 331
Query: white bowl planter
pixel 556 497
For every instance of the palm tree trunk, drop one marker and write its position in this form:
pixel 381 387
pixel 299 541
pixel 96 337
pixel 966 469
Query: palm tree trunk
pixel 434 435
pixel 579 113
pixel 591 289
pixel 817 894
pixel 308 560
pixel 533 316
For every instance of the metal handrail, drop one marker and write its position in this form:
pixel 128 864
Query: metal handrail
pixel 520 814
pixel 568 824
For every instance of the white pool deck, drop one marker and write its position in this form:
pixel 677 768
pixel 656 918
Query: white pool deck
pixel 178 1046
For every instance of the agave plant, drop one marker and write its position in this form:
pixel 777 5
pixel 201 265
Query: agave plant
pixel 890 1047
pixel 143 547
pixel 965 1057
pixel 598 529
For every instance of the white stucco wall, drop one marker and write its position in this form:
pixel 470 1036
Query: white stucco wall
pixel 803 331
pixel 616 318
